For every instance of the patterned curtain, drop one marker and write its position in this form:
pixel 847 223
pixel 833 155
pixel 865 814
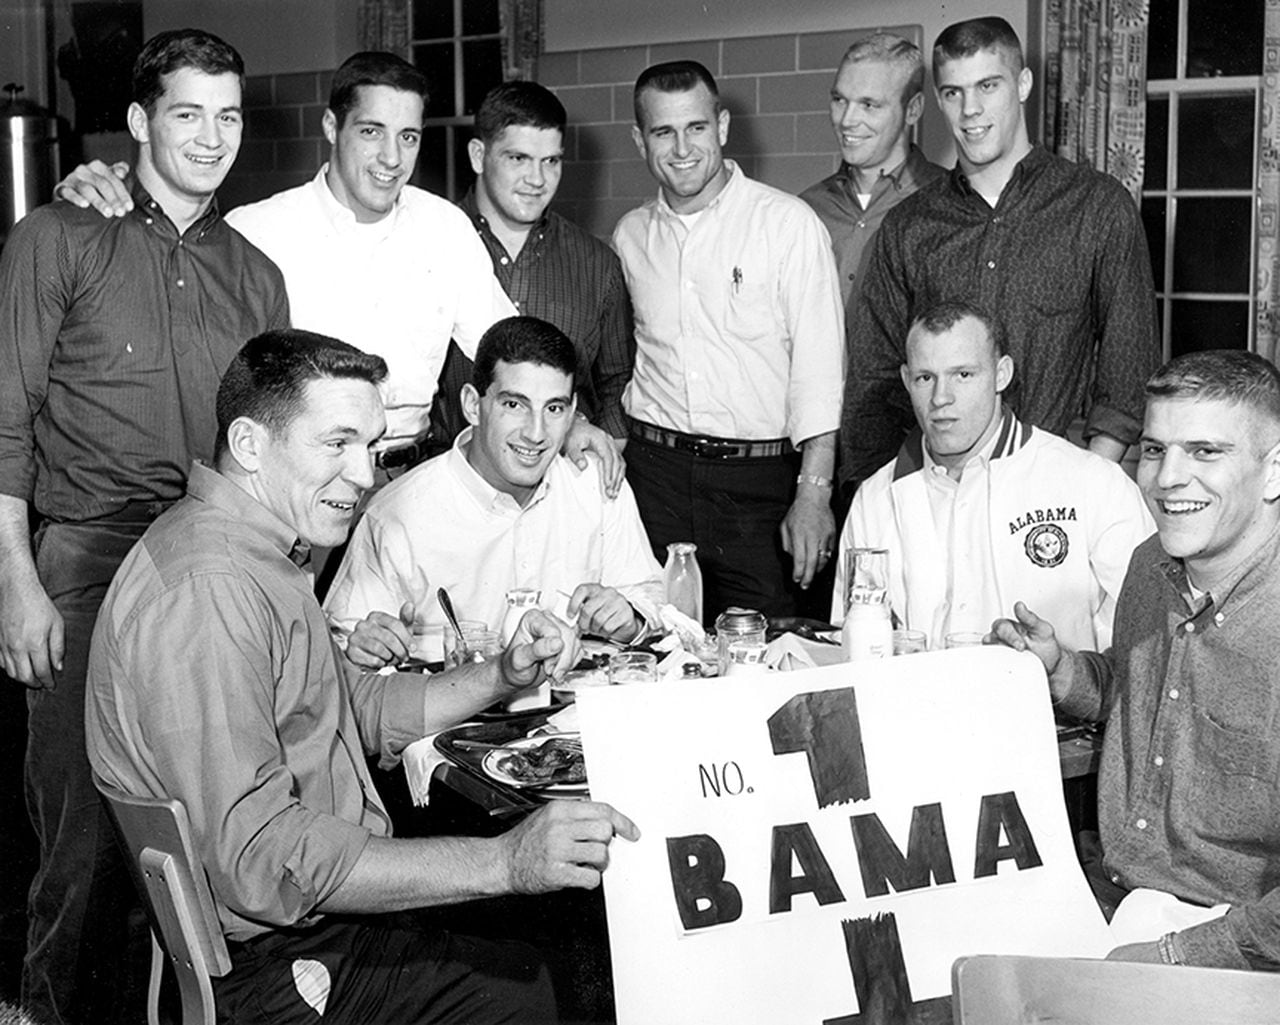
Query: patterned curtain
pixel 1267 292
pixel 1096 84
pixel 384 25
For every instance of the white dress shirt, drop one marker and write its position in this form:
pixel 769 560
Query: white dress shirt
pixel 399 288
pixel 739 323
pixel 442 525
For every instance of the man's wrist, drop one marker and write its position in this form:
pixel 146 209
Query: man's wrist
pixel 816 480
pixel 1170 953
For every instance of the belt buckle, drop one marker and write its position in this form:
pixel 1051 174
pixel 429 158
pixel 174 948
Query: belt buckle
pixel 718 449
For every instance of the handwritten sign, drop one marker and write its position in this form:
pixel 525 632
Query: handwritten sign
pixel 820 846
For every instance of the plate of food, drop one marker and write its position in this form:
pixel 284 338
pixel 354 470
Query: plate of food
pixel 551 763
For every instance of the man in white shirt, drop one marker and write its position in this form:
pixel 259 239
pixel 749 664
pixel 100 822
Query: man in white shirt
pixel 739 355
pixel 979 509
pixel 501 510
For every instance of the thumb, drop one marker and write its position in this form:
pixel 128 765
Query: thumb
pixel 407 611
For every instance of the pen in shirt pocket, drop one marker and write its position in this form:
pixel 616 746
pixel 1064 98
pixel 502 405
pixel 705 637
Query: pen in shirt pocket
pixel 737 279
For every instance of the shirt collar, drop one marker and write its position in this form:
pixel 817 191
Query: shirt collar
pixel 341 218
pixel 485 494
pixel 1025 170
pixel 730 188
pixel 1255 570
pixel 1011 435
pixel 208 485
pixel 146 206
pixel 471 208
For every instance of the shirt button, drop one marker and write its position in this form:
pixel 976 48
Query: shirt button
pixel 1141 823
pixel 181 283
pixel 1159 760
pixel 1173 694
pixel 504 261
pixel 1116 878
pixel 862 224
pixel 150 221
pixel 1219 618
pixel 1191 628
pixel 991 265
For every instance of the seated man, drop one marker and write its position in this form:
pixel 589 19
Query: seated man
pixel 1188 787
pixel 979 508
pixel 500 510
pixel 213 679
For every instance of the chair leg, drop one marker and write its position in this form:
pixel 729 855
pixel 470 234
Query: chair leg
pixel 153 985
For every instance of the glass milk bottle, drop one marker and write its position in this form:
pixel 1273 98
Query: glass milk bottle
pixel 682 579
pixel 519 601
pixel 868 626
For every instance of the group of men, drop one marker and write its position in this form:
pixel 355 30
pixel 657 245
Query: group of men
pixel 155 352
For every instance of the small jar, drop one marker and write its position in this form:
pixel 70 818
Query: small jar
pixel 519 601
pixel 740 640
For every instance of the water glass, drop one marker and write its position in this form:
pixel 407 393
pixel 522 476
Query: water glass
pixel 478 643
pixel 633 667
pixel 964 639
pixel 909 642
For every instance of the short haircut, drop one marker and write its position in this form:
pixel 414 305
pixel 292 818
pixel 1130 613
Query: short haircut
pixel 372 67
pixel 167 52
pixel 965 38
pixel 884 48
pixel 943 316
pixel 518 105
pixel 268 377
pixel 523 340
pixel 1227 375
pixel 674 77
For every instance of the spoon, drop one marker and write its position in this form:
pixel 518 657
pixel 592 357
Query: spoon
pixel 447 605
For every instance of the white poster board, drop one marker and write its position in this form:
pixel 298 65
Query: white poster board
pixel 820 846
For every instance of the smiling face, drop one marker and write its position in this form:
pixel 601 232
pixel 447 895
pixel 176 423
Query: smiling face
pixel 1209 470
pixel 373 152
pixel 520 424
pixel 869 115
pixel 954 379
pixel 518 174
pixel 189 142
pixel 680 136
pixel 981 97
pixel 312 473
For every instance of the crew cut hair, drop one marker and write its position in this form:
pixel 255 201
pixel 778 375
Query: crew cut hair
pixel 965 38
pixel 268 377
pixel 167 52
pixel 674 77
pixel 1227 375
pixel 523 340
pixel 372 67
pixel 944 315
pixel 886 48
pixel 518 105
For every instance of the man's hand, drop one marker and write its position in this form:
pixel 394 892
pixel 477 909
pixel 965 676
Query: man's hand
pixel 381 639
pixel 565 843
pixel 809 532
pixel 1147 953
pixel 543 646
pixel 1031 633
pixel 1108 447
pixel 31 632
pixel 96 185
pixel 585 437
pixel 603 612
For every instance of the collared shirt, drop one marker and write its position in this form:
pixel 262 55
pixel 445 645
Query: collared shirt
pixel 213 679
pixel 739 330
pixel 573 280
pixel 852 226
pixel 400 287
pixel 114 334
pixel 1061 261
pixel 443 525
pixel 1034 519
pixel 1189 786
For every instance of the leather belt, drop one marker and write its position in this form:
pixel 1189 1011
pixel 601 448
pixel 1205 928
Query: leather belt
pixel 405 455
pixel 711 448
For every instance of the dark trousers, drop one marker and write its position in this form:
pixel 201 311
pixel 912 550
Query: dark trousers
pixel 383 968
pixel 78 966
pixel 731 509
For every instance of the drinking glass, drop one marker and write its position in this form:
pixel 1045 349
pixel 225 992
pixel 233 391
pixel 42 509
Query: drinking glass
pixel 633 667
pixel 964 639
pixel 478 643
pixel 909 642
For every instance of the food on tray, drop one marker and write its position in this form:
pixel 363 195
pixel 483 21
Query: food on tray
pixel 555 760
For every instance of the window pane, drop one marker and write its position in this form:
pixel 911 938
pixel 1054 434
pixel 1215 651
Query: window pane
pixel 1197 326
pixel 1211 245
pixel 432 19
pixel 435 60
pixel 1156 159
pixel 480 17
pixel 1215 142
pixel 463 176
pixel 1153 220
pixel 1224 38
pixel 481 71
pixel 1162 40
pixel 430 174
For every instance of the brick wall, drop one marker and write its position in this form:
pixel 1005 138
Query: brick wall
pixel 283 145
pixel 776 89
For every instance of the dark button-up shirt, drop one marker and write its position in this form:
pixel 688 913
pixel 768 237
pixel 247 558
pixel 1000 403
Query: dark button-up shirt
pixel 213 679
pixel 114 334
pixel 851 227
pixel 1189 786
pixel 573 280
pixel 1061 262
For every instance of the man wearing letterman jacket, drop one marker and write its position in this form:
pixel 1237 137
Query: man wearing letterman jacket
pixel 979 509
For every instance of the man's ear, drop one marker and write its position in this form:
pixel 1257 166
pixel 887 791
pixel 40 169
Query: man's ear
pixel 245 441
pixel 637 137
pixel 1004 372
pixel 905 374
pixel 915 108
pixel 138 122
pixel 475 150
pixel 1025 80
pixel 1271 488
pixel 470 404
pixel 329 125
pixel 722 123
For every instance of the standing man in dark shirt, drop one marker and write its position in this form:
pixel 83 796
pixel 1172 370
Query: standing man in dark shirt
pixel 1054 249
pixel 550 267
pixel 113 336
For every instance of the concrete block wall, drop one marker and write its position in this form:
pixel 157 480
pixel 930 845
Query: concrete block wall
pixel 776 89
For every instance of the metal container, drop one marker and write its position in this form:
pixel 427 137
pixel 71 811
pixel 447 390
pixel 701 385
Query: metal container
pixel 28 158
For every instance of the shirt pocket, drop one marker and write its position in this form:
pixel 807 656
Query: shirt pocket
pixel 749 309
pixel 1234 785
